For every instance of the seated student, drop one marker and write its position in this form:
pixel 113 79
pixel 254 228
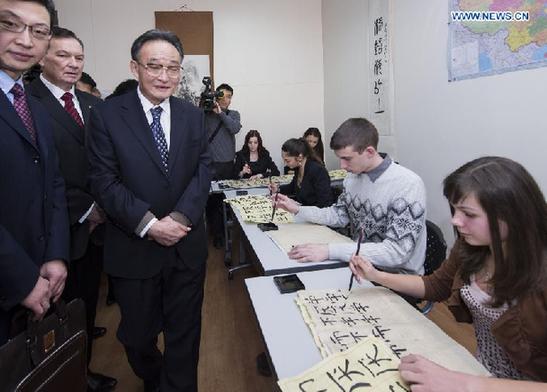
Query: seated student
pixel 495 277
pixel 253 160
pixel 313 138
pixel 384 199
pixel 311 182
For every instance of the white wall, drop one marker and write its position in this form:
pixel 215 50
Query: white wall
pixel 438 126
pixel 345 44
pixel 345 59
pixel 442 125
pixel 270 52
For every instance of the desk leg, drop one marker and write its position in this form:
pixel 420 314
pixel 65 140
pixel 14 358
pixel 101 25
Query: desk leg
pixel 242 262
pixel 228 223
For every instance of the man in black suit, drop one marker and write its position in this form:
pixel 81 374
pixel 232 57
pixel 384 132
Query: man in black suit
pixel 150 173
pixel 69 110
pixel 33 217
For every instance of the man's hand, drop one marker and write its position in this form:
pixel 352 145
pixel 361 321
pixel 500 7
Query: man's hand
pixel 55 272
pixel 287 204
pixel 38 299
pixel 167 232
pixel 309 252
pixel 256 176
pixel 95 217
pixel 217 109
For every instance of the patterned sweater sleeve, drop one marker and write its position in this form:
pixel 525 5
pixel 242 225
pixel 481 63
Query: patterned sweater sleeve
pixel 405 223
pixel 334 216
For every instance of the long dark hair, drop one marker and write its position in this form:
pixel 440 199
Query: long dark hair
pixel 294 147
pixel 509 194
pixel 248 136
pixel 319 150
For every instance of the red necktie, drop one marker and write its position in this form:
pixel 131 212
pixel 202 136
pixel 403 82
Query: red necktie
pixel 71 109
pixel 21 107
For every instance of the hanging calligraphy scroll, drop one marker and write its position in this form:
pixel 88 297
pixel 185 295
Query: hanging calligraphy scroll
pixel 380 65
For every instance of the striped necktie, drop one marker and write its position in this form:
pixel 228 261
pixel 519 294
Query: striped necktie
pixel 159 135
pixel 22 109
pixel 71 109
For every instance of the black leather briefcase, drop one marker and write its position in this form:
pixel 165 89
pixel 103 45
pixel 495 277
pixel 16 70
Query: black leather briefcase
pixel 50 355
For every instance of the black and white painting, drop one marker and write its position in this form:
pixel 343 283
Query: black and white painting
pixel 194 68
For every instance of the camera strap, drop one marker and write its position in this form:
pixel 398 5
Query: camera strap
pixel 216 131
pixel 214 134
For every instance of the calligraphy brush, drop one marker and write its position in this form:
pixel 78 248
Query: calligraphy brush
pixel 269 173
pixel 361 234
pixel 275 205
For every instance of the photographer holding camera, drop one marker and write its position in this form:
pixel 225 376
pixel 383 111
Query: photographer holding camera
pixel 222 124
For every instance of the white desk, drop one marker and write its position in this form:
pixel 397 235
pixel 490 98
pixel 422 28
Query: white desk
pixel 271 259
pixel 291 345
pixel 281 323
pixel 215 186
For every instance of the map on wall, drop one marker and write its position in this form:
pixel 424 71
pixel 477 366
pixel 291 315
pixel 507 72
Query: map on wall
pixel 487 37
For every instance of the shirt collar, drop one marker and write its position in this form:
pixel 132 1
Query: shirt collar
pixel 147 105
pixel 56 90
pixel 375 173
pixel 7 83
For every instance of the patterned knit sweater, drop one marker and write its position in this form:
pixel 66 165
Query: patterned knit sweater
pixel 389 204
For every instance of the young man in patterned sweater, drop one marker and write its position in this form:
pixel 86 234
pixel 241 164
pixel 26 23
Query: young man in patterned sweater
pixel 384 199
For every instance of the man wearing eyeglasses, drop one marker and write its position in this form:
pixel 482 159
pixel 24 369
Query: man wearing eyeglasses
pixel 150 173
pixel 69 110
pixel 33 217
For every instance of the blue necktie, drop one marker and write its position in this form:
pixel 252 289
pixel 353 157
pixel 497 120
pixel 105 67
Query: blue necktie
pixel 159 136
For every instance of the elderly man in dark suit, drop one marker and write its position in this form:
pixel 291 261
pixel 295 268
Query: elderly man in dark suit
pixel 69 110
pixel 150 173
pixel 33 216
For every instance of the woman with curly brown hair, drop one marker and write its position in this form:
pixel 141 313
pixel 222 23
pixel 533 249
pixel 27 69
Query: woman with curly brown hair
pixel 495 277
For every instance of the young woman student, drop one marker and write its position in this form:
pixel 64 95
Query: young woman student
pixel 311 182
pixel 313 138
pixel 253 160
pixel 495 277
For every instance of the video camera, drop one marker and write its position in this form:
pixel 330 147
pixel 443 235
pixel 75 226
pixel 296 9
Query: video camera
pixel 208 97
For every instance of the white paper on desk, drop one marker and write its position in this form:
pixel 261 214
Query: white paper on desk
pixel 294 234
pixel 369 364
pixel 339 319
pixel 258 209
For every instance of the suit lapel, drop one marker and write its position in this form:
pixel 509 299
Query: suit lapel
pixel 134 117
pixel 85 105
pixel 56 110
pixel 9 114
pixel 178 125
pixel 40 131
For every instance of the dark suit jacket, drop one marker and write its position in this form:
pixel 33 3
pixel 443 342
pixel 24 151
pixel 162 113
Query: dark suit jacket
pixel 261 166
pixel 33 215
pixel 127 179
pixel 70 143
pixel 315 188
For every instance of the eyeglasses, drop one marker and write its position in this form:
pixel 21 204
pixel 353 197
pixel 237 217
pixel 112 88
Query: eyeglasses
pixel 38 31
pixel 155 70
